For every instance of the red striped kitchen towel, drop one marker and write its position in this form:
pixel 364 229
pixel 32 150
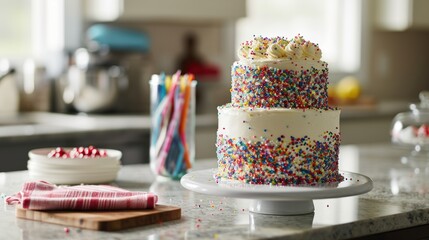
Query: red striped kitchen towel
pixel 46 196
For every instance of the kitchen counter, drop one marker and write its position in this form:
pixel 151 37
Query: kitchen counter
pixel 397 207
pixel 36 124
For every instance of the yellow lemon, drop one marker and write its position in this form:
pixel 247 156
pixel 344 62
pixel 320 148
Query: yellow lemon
pixel 332 91
pixel 348 88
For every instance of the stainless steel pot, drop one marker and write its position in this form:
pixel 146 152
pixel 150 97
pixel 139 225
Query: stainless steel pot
pixel 94 86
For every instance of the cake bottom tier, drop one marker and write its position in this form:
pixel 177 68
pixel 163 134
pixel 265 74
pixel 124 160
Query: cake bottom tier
pixel 278 146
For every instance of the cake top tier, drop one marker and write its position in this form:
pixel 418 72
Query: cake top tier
pixel 279 48
pixel 279 73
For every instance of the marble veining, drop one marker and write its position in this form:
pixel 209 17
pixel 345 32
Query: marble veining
pixel 386 208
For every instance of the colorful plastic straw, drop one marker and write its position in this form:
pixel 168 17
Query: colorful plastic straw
pixel 170 110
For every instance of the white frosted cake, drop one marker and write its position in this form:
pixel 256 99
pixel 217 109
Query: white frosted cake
pixel 278 128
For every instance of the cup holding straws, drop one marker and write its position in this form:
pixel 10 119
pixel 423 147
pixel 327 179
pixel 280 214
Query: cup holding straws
pixel 172 143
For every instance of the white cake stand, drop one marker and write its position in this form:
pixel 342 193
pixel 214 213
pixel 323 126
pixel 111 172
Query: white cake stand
pixel 277 200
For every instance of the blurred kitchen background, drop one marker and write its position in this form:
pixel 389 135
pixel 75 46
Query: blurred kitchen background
pixel 51 50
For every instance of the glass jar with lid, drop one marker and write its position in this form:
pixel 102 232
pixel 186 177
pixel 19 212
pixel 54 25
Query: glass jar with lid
pixel 411 129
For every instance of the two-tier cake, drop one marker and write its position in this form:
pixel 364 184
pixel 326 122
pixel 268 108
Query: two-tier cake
pixel 278 128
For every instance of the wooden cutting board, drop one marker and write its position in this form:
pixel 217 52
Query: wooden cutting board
pixel 104 220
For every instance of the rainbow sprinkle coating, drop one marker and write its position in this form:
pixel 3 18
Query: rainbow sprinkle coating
pixel 268 87
pixel 300 161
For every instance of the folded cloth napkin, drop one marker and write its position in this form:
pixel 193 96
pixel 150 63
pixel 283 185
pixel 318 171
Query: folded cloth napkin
pixel 42 195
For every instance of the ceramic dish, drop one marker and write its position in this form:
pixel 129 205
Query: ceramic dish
pixel 86 170
pixel 35 166
pixel 41 154
pixel 60 164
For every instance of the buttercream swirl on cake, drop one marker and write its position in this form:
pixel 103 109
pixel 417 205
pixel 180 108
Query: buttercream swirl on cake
pixel 274 48
pixel 293 54
pixel 276 51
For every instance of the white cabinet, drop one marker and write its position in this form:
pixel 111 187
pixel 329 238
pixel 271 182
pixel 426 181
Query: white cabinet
pixel 365 130
pixel 165 10
pixel 399 15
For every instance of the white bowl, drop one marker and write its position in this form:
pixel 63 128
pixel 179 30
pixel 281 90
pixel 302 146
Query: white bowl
pixel 33 165
pixel 89 170
pixel 69 164
pixel 41 155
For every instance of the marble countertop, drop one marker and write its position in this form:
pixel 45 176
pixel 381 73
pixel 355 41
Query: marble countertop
pixel 399 200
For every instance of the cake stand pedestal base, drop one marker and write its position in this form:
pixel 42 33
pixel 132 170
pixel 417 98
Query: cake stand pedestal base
pixel 282 207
